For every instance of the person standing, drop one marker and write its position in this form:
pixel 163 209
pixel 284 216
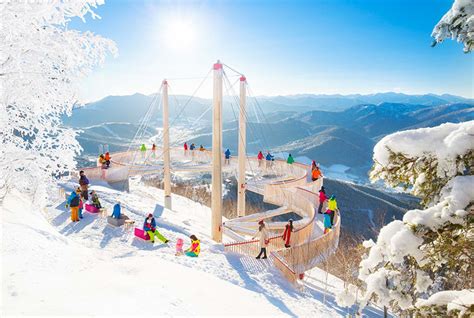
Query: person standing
pixel 107 159
pixel 227 157
pixel 290 159
pixel 153 149
pixel 316 174
pixel 143 151
pixel 73 203
pixel 84 183
pixel 287 233
pixel 322 198
pixel 260 158
pixel 332 207
pixel 185 149
pixel 269 159
pixel 149 226
pixel 192 148
pixel 262 233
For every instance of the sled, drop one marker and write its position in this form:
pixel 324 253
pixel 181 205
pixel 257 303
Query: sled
pixel 117 222
pixel 91 209
pixel 141 234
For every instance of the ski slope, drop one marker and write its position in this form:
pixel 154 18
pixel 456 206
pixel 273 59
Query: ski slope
pixel 51 266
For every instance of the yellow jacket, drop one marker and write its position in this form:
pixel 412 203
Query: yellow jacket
pixel 332 205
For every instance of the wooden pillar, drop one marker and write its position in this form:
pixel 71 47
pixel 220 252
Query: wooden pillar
pixel 216 190
pixel 166 147
pixel 242 149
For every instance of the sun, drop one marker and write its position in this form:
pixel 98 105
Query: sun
pixel 179 34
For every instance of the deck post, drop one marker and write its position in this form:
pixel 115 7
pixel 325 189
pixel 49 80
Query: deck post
pixel 216 190
pixel 166 147
pixel 242 149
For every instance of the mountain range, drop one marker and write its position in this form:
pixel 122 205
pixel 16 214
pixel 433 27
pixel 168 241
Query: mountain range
pixel 300 127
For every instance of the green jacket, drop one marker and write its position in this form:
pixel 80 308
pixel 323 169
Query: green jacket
pixel 290 160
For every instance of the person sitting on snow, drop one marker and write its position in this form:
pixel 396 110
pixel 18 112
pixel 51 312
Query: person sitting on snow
pixel 95 200
pixel 149 226
pixel 195 248
pixel 117 211
pixel 179 247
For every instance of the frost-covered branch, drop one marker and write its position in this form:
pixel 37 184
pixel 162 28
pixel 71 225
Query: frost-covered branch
pixel 457 23
pixel 42 59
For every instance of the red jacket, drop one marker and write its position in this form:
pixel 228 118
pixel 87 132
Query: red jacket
pixel 260 156
pixel 185 146
pixel 322 197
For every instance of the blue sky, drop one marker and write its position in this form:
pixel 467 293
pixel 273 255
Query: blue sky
pixel 283 47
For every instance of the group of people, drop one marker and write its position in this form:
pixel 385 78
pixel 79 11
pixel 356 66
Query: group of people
pixel 80 195
pixel 149 226
pixel 330 211
pixel 104 160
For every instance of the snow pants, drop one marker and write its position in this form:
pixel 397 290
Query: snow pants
pixel 74 213
pixel 158 235
pixel 191 254
pixel 79 213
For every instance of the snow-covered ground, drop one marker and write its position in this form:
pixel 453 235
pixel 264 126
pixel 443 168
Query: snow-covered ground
pixel 51 266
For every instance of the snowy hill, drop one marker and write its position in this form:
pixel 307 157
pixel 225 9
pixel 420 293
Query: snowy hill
pixel 92 268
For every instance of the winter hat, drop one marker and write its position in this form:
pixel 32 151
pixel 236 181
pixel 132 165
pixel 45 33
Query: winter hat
pixel 78 190
pixel 150 215
pixel 333 197
pixel 260 222
pixel 322 189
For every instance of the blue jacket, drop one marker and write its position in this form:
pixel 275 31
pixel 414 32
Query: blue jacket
pixel 269 157
pixel 71 197
pixel 192 147
pixel 227 154
pixel 327 221
pixel 152 227
pixel 116 212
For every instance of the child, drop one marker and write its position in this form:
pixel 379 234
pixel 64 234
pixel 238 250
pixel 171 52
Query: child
pixel 195 248
pixel 73 202
pixel 81 205
pixel 150 227
pixel 95 200
pixel 179 247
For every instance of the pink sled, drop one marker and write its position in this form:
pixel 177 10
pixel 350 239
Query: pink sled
pixel 141 234
pixel 91 208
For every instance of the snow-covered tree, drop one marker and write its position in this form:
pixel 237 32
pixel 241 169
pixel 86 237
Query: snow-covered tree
pixel 40 62
pixel 457 23
pixel 430 250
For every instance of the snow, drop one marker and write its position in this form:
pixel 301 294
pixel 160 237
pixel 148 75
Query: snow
pixel 455 196
pixel 454 299
pixel 457 23
pixel 445 142
pixel 54 267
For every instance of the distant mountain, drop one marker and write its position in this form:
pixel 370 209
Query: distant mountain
pixel 338 102
pixel 132 108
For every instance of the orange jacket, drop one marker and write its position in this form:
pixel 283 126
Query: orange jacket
pixel 316 173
